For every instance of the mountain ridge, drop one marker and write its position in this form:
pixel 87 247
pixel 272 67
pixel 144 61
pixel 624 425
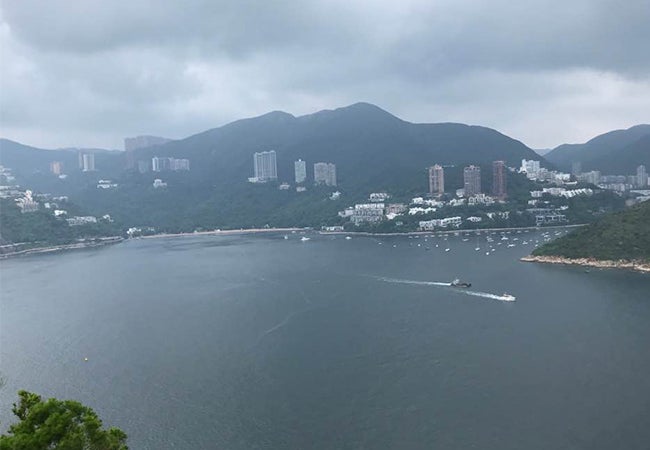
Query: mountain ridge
pixel 605 151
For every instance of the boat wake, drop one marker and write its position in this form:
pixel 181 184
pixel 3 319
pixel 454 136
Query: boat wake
pixel 502 298
pixel 421 283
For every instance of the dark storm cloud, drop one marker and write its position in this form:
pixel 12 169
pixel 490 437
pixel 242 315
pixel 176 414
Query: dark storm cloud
pixel 98 70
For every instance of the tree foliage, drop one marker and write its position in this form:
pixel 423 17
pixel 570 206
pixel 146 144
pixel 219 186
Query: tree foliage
pixel 60 425
pixel 621 235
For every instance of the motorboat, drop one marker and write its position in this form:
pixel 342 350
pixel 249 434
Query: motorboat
pixel 460 284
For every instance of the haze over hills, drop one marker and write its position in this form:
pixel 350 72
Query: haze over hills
pixel 25 160
pixel 616 152
pixel 370 147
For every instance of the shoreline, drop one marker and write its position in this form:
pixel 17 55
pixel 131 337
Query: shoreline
pixel 472 230
pixel 101 242
pixel 637 266
pixel 222 232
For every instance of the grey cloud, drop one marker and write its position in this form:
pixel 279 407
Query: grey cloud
pixel 100 70
pixel 426 37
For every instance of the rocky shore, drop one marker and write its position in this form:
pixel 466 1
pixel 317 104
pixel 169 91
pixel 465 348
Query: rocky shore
pixel 17 250
pixel 639 266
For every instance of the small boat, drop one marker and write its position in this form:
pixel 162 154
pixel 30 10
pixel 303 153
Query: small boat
pixel 508 298
pixel 447 249
pixel 347 238
pixel 286 237
pixel 461 284
pixel 304 239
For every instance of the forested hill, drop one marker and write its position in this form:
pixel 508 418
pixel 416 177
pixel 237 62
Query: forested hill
pixel 623 235
pixel 371 148
pixel 615 152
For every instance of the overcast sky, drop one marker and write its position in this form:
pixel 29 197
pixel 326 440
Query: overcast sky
pixel 90 72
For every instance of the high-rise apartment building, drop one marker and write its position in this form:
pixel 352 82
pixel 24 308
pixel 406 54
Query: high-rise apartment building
pixel 499 179
pixel 144 166
pixel 87 161
pixel 325 173
pixel 300 168
pixel 641 177
pixel 436 180
pixel 163 163
pixel 56 167
pixel 265 166
pixel 472 180
pixel 576 168
pixel 530 166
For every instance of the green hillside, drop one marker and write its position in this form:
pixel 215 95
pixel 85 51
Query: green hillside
pixel 369 146
pixel 623 235
pixel 616 152
pixel 372 149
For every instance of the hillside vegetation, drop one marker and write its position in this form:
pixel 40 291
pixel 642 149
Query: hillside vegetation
pixel 617 152
pixel 623 235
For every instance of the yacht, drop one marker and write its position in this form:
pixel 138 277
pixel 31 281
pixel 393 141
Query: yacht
pixel 507 297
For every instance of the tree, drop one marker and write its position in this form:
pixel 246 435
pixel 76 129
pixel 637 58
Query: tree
pixel 60 425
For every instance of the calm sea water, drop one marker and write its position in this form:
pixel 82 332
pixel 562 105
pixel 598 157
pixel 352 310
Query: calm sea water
pixel 260 342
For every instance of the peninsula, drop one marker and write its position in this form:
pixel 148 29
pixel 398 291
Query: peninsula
pixel 618 240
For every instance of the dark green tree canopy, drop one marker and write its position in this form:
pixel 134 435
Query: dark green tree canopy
pixel 60 425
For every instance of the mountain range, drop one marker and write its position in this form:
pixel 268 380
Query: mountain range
pixel 370 147
pixel 618 152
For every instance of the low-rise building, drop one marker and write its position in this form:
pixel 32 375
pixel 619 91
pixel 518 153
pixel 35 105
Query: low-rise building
pixel 480 199
pixel 378 197
pixel 81 220
pixel 106 184
pixel 447 222
pixel 347 212
pixel 396 208
pixel 26 203
pixel 333 228
pixel 418 210
pixel 368 212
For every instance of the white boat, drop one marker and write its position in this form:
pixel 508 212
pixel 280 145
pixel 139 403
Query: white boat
pixel 508 298
pixel 348 238
pixel 286 237
pixel 304 239
pixel 447 249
